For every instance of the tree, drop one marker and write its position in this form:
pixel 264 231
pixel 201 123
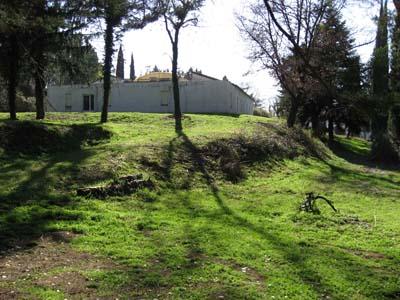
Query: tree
pixel 120 64
pixel 156 69
pixel 178 14
pixel 119 16
pixel 9 68
pixel 37 31
pixel 50 25
pixel 281 40
pixel 132 74
pixel 338 65
pixel 12 35
pixel 395 75
pixel 306 47
pixel 383 147
pixel 77 63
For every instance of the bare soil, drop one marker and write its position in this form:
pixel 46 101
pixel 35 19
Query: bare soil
pixel 49 263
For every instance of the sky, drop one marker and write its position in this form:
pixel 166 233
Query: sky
pixel 216 47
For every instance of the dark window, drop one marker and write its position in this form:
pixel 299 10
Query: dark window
pixel 86 103
pixel 92 102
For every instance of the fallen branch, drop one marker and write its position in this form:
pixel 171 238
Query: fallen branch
pixel 123 186
pixel 309 204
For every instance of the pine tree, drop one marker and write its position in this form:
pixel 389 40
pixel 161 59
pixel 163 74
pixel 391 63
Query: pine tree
pixel 120 64
pixel 132 74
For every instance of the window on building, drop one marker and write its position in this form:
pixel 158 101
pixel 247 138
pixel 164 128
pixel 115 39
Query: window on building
pixel 165 98
pixel 92 102
pixel 68 102
pixel 88 102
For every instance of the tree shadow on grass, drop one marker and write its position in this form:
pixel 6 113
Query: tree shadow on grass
pixel 362 159
pixel 44 193
pixel 349 177
pixel 297 255
pixel 27 210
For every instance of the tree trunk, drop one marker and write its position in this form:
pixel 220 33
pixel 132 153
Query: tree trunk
pixel 291 120
pixel 395 120
pixel 331 134
pixel 12 80
pixel 39 93
pixel 38 50
pixel 108 53
pixel 315 125
pixel 175 84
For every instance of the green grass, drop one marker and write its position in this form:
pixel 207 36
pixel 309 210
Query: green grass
pixel 191 238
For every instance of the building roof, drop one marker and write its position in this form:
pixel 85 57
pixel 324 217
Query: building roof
pixel 203 75
pixel 155 76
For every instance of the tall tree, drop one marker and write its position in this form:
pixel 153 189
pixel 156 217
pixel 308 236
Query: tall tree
pixel 395 74
pixel 305 45
pixel 334 56
pixel 10 68
pixel 132 74
pixel 120 64
pixel 281 38
pixel 77 63
pixel 178 14
pixel 113 12
pixel 12 35
pixel 50 25
pixel 121 15
pixel 382 147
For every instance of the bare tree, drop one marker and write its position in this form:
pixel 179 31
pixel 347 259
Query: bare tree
pixel 281 34
pixel 178 14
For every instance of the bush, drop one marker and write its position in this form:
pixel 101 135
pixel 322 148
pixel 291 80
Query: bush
pixel 261 112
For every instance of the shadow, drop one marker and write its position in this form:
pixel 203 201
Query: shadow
pixel 36 138
pixel 296 254
pixel 359 158
pixel 47 160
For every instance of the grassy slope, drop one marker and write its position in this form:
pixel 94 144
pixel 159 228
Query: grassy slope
pixel 237 241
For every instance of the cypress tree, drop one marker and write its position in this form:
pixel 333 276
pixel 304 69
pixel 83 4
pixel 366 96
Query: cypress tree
pixel 395 75
pixel 120 64
pixel 132 74
pixel 383 148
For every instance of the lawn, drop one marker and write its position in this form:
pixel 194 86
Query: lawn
pixel 197 234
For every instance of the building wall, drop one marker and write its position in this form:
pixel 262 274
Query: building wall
pixel 212 96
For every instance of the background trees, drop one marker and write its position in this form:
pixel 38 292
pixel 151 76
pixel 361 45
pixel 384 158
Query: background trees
pixel 308 49
pixel 36 31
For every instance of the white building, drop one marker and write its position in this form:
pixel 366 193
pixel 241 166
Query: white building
pixel 153 93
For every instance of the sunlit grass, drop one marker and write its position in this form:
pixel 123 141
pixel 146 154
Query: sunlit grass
pixel 237 241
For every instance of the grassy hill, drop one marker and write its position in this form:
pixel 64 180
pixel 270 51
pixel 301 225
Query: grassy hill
pixel 222 221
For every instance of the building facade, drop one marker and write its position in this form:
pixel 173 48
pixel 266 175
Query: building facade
pixel 153 93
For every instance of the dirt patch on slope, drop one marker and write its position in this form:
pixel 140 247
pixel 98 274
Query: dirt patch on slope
pixel 49 263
